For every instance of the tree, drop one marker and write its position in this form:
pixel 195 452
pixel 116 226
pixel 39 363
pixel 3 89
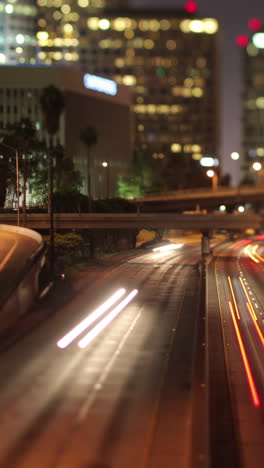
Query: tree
pixel 88 137
pixel 21 135
pixel 52 104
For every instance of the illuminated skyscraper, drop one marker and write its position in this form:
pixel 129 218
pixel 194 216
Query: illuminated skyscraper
pixel 18 26
pixel 253 104
pixel 168 57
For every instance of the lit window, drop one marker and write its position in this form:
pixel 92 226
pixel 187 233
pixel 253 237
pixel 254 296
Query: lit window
pixel 119 62
pixel 2 58
pixel 197 156
pixel 148 44
pixel 20 39
pixel 93 23
pixel 196 26
pixel 57 15
pixel 197 92
pixel 129 34
pixel 176 148
pixel 138 42
pixel 104 24
pixel 119 24
pixel 68 28
pixel 201 62
pixel 154 25
pixel 65 9
pixel 196 148
pixel 143 25
pixel 260 102
pixel 185 26
pixel 83 3
pixel 129 80
pixel 165 24
pixel 260 151
pixel 210 25
pixel 171 45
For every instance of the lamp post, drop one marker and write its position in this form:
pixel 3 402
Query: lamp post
pixel 107 168
pixel 17 177
pixel 214 176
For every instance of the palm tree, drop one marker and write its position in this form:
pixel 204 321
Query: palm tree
pixel 88 137
pixel 52 104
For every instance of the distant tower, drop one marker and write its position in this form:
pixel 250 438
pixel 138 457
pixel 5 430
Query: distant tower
pixel 253 104
pixel 18 26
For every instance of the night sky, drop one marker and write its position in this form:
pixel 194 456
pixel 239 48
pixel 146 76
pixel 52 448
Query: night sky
pixel 233 16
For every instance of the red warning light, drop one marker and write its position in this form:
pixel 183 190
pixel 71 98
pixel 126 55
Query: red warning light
pixel 255 24
pixel 242 40
pixel 190 6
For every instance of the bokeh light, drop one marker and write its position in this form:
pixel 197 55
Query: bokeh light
pixel 254 24
pixel 190 6
pixel 242 40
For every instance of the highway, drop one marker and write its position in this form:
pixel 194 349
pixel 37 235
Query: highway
pixel 109 404
pixel 237 304
pixel 128 371
pixel 15 249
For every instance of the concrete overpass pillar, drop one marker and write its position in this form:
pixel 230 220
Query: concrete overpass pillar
pixel 205 243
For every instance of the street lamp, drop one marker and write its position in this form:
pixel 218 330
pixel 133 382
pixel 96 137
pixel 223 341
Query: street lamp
pixel 257 167
pixel 214 176
pixel 17 177
pixel 235 156
pixel 106 166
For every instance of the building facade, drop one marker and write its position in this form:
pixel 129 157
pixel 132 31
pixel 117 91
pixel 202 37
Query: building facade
pixel 85 106
pixel 18 28
pixel 170 60
pixel 253 108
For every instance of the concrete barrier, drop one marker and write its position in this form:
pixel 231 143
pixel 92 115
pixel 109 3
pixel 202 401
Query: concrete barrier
pixel 25 289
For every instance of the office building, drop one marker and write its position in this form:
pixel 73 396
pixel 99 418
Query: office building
pixel 89 101
pixel 18 27
pixel 253 106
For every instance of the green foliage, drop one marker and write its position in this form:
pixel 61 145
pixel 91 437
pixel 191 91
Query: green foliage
pixel 129 187
pixel 67 244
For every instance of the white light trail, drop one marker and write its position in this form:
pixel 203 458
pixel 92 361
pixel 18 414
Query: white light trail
pixel 91 335
pixel 84 324
pixel 168 247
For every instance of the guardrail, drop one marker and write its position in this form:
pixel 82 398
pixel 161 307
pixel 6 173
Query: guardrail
pixel 25 288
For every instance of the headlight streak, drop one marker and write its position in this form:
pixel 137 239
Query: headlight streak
pixel 91 335
pixel 84 324
pixel 256 253
pixel 247 251
pixel 166 248
pixel 251 383
pixel 261 337
pixel 234 298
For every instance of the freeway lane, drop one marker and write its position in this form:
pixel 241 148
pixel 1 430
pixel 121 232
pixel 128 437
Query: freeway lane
pixel 15 249
pixel 240 298
pixel 125 400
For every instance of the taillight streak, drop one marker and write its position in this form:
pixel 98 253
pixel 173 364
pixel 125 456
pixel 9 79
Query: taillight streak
pixel 259 332
pixel 91 335
pixel 233 295
pixel 251 383
pixel 84 324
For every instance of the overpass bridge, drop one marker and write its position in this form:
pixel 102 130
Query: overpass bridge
pixel 188 199
pixel 199 222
